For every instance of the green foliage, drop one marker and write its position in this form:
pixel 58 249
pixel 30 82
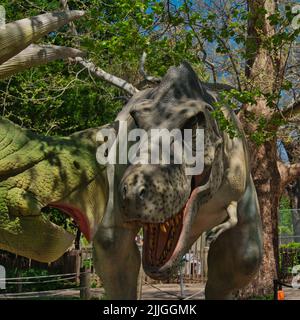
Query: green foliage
pixel 224 123
pixel 285 217
pixel 39 284
pixel 293 256
pixel 87 263
pixel 292 245
pixel 61 98
pixel 55 216
pixel 123 30
pixel 234 100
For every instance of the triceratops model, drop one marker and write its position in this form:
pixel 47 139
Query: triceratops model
pixel 112 202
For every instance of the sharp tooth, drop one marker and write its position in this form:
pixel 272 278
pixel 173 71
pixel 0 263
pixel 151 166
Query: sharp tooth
pixel 163 228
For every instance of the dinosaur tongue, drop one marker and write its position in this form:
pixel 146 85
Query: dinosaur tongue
pixel 77 215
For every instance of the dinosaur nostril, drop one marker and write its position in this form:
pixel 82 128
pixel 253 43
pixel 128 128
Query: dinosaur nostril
pixel 142 193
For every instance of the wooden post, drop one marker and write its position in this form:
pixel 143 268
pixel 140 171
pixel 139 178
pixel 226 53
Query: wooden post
pixel 19 284
pixel 141 276
pixel 140 283
pixel 181 280
pixel 85 284
pixel 77 264
pixel 205 262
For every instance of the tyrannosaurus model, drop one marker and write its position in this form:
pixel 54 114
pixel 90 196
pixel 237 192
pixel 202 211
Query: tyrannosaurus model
pixel 112 202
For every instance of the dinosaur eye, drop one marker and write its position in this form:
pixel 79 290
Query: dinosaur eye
pixel 191 123
pixel 195 121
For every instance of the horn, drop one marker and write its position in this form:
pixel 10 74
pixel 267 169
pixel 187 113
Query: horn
pixel 36 55
pixel 17 35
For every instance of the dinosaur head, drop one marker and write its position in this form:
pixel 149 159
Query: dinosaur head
pixel 165 198
pixel 38 172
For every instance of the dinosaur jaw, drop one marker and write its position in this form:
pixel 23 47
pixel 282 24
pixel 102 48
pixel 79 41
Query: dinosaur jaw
pixel 78 216
pixel 160 241
pixel 165 243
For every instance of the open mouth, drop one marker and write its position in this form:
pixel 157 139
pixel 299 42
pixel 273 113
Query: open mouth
pixel 162 240
pixel 78 217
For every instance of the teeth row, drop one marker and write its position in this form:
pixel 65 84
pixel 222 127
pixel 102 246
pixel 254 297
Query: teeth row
pixel 164 226
pixel 166 251
pixel 153 227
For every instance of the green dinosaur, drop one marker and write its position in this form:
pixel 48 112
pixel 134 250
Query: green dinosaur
pixel 111 202
pixel 38 171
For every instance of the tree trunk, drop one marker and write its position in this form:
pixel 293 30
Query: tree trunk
pixel 263 71
pixel 267 181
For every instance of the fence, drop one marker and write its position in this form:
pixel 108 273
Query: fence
pixel 194 269
pixel 288 258
pixel 70 266
pixel 283 239
pixel 291 221
pixel 84 285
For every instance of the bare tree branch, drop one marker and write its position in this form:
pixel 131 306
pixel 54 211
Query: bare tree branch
pixel 36 55
pixel 101 74
pixel 218 86
pixel 233 63
pixel 143 72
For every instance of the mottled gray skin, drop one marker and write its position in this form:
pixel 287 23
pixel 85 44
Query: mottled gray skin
pixel 225 202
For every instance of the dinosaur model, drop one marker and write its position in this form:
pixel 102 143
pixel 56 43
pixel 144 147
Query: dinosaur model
pixel 175 209
pixel 112 202
pixel 38 172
